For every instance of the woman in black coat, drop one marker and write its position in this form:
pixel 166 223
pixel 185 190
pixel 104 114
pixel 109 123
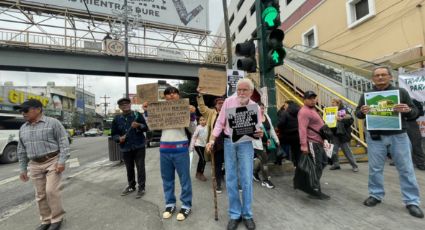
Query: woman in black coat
pixel 288 129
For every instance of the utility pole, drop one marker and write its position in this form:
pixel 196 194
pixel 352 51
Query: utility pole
pixel 227 29
pixel 105 104
pixel 126 47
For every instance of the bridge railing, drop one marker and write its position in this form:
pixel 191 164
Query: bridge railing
pixel 298 82
pixel 37 40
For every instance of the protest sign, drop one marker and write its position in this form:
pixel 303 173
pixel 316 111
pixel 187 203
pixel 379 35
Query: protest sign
pixel 414 83
pixel 233 77
pixel 243 122
pixel 148 92
pixel 212 82
pixel 381 115
pixel 329 116
pixel 168 114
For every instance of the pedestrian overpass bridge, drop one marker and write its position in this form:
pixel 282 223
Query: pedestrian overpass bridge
pixel 40 52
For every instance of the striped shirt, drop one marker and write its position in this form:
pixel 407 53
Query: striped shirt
pixel 41 138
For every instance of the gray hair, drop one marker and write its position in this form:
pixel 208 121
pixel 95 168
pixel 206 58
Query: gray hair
pixel 382 67
pixel 247 81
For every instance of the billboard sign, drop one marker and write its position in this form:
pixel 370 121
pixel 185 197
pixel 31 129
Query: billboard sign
pixel 180 13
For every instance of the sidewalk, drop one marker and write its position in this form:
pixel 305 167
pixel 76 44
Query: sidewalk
pixel 92 201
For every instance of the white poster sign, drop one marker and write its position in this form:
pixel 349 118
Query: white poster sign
pixel 167 53
pixel 233 77
pixel 243 122
pixel 414 83
pixel 180 13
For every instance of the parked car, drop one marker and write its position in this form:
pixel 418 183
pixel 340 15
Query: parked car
pixel 152 136
pixel 93 133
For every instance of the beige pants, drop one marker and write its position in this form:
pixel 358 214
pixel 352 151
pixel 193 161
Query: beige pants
pixel 47 190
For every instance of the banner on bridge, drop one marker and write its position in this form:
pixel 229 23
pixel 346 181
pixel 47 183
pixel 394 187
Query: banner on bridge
pixel 179 13
pixel 414 83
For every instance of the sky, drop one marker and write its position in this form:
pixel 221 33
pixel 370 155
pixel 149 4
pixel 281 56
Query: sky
pixel 113 87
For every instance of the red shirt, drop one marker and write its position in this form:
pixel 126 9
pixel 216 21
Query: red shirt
pixel 308 117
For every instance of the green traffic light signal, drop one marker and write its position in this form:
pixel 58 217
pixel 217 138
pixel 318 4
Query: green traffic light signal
pixel 269 15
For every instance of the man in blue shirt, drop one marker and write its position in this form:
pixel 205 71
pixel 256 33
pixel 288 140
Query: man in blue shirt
pixel 127 130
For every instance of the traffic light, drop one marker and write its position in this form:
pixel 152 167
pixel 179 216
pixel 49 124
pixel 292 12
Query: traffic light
pixel 248 63
pixel 274 53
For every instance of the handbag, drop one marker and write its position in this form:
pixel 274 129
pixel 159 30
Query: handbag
pixel 272 147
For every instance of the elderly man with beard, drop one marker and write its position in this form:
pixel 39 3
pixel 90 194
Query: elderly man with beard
pixel 238 158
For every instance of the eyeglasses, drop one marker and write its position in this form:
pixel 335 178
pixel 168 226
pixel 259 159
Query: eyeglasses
pixel 381 75
pixel 243 90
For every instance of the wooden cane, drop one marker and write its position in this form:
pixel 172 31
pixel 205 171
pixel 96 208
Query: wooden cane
pixel 214 184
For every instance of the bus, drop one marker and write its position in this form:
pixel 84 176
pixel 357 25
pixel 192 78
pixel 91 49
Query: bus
pixel 9 136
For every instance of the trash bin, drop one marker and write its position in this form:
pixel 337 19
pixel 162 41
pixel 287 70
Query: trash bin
pixel 114 150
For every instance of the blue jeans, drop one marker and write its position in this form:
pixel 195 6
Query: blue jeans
pixel 238 161
pixel 399 147
pixel 169 163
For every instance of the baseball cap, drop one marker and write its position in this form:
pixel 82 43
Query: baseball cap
pixel 30 103
pixel 122 100
pixel 309 94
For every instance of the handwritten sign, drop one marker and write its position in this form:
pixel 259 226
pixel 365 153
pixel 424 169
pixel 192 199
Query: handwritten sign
pixel 147 92
pixel 212 82
pixel 168 114
pixel 243 122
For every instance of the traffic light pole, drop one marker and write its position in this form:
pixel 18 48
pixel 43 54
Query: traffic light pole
pixel 267 76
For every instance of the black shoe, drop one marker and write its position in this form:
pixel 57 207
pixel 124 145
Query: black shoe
pixel 319 196
pixel 233 224
pixel 55 226
pixel 127 190
pixel 267 184
pixel 218 190
pixel 371 201
pixel 140 193
pixel 183 214
pixel 335 167
pixel 43 227
pixel 420 167
pixel 169 211
pixel 249 224
pixel 415 211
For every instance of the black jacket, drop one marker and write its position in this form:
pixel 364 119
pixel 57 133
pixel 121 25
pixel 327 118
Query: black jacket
pixel 288 127
pixel 121 125
pixel 343 129
pixel 404 99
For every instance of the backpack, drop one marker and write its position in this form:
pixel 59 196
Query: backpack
pixel 420 108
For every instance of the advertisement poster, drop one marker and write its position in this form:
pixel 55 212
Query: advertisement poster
pixel 329 116
pixel 243 122
pixel 381 115
pixel 414 83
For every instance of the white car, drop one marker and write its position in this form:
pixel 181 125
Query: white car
pixel 93 133
pixel 8 145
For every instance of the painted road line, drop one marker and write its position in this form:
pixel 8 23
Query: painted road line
pixel 5 181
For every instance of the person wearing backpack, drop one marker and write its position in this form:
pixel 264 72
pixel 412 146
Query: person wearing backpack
pixel 415 137
pixel 342 136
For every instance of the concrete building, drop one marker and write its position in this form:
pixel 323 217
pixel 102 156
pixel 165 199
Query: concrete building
pixel 390 31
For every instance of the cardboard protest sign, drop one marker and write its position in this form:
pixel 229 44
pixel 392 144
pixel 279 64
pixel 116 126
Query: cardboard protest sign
pixel 381 115
pixel 148 92
pixel 233 77
pixel 212 82
pixel 168 114
pixel 243 122
pixel 329 116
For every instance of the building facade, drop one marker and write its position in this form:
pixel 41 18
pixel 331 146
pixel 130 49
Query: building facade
pixel 390 31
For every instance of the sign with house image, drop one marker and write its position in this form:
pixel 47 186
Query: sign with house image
pixel 381 115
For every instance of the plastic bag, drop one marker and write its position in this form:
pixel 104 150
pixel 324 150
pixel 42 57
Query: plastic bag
pixel 306 178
